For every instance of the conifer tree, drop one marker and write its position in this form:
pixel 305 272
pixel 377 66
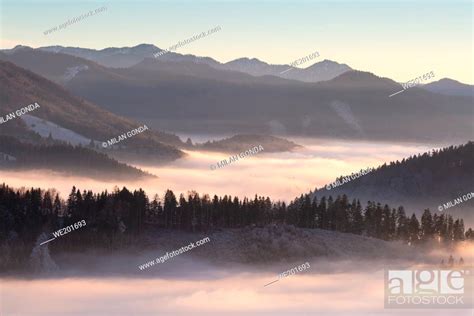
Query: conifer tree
pixel 413 230
pixel 427 227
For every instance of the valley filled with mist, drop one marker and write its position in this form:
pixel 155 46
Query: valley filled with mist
pixel 296 159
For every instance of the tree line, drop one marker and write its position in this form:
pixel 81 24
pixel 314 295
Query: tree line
pixel 61 156
pixel 118 218
pixel 376 220
pixel 417 175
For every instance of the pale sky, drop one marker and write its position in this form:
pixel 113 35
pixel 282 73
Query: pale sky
pixel 397 39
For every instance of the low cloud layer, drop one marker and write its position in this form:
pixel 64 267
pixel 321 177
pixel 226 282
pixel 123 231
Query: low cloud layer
pixel 282 176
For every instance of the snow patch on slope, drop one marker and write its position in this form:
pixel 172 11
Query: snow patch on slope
pixel 44 128
pixel 71 72
pixel 6 157
pixel 273 244
pixel 40 259
pixel 344 111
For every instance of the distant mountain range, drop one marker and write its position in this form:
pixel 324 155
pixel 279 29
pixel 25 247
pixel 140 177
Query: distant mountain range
pixel 319 71
pixel 185 93
pixel 423 181
pixel 125 57
pixel 129 56
pixel 450 87
pixel 324 70
pixel 67 119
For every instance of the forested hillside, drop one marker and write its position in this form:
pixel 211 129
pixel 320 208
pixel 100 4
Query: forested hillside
pixel 60 157
pixel 418 182
pixel 73 113
pixel 117 219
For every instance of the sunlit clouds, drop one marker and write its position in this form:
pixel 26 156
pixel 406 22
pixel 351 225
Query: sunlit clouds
pixel 282 176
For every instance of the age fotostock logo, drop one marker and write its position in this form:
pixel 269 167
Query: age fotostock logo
pixel 429 288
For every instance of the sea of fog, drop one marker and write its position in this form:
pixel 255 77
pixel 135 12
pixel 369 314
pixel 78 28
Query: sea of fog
pixel 326 288
pixel 348 294
pixel 201 290
pixel 188 286
pixel 281 176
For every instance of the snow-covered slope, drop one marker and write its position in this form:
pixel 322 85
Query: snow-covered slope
pixel 71 72
pixel 44 128
pixel 278 243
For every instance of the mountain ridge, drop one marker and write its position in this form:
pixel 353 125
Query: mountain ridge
pixel 130 56
pixel 417 182
pixel 201 98
pixel 449 86
pixel 62 108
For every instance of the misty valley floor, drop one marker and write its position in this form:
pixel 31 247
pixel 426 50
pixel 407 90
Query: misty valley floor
pixel 281 176
pixel 236 293
pixel 226 276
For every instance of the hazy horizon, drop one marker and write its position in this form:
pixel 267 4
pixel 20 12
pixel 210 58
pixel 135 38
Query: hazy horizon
pixel 405 48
